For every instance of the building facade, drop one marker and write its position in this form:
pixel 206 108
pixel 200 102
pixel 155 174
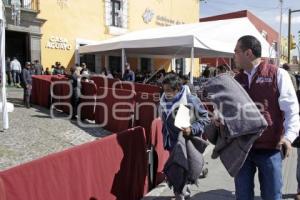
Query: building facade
pixel 24 40
pixel 52 30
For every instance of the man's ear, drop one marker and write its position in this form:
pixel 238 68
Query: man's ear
pixel 249 53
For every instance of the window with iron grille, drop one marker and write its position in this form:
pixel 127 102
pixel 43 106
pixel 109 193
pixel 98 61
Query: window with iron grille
pixel 116 12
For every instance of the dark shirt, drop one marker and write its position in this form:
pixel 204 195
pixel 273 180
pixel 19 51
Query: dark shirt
pixel 26 77
pixel 38 68
pixel 58 71
pixel 7 69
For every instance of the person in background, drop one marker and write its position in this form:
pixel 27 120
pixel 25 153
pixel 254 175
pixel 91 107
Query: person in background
pixel 221 69
pixel 186 83
pixel 62 70
pixel 38 68
pixel 271 88
pixel 84 68
pixel 106 73
pixel 129 74
pixel 31 68
pixel 8 71
pixel 27 84
pixel 16 68
pixel 52 69
pixel 47 71
pixel 75 78
pixel 58 70
pixel 205 75
pixel 293 78
pixel 78 69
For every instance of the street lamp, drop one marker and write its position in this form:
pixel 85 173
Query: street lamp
pixel 289 33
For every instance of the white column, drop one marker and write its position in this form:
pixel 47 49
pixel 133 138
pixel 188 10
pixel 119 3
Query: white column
pixel 192 65
pixel 123 62
pixel 173 64
pixel 139 67
pixel 106 62
pixel 153 69
pixel 3 71
pixel 98 63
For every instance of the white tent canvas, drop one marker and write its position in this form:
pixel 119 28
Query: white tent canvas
pixel 209 39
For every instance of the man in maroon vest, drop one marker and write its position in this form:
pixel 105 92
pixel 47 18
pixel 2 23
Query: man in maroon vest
pixel 272 89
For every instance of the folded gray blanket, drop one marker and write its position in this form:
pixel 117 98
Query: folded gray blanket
pixel 239 112
pixel 185 162
pixel 242 120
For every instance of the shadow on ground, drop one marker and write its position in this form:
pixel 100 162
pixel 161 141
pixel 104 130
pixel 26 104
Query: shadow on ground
pixel 16 101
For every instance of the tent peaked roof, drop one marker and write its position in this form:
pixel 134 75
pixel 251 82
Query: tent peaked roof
pixel 209 39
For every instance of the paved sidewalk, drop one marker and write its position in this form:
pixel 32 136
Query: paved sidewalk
pixel 218 185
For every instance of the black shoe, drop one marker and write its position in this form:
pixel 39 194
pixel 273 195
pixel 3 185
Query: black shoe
pixel 73 118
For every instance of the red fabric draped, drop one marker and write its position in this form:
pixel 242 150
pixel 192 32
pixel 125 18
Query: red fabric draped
pixel 40 94
pixel 113 168
pixel 139 87
pixel 115 108
pixel 146 110
pixel 102 81
pixel 162 154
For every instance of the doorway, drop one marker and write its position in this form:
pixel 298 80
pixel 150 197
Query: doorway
pixel 17 44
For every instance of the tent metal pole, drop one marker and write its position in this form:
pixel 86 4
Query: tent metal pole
pixel 192 65
pixel 3 71
pixel 123 62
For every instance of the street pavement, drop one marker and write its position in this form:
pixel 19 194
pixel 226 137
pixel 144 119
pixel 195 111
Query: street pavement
pixel 218 185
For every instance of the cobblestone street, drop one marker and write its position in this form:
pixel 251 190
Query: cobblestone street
pixel 33 133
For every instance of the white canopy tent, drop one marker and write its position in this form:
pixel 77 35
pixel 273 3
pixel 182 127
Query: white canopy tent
pixel 205 39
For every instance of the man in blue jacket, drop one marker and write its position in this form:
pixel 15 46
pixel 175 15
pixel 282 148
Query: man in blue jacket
pixel 173 96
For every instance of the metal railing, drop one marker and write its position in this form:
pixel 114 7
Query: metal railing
pixel 25 4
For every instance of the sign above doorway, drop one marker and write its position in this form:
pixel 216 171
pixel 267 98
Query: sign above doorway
pixel 58 43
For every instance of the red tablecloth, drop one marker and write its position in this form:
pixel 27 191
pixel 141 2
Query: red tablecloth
pixel 41 90
pixel 113 168
pixel 115 108
pixel 40 94
pixel 102 81
pixel 139 87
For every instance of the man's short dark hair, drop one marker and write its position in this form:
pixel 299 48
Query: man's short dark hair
pixel 251 42
pixel 222 68
pixel 173 81
pixel 286 66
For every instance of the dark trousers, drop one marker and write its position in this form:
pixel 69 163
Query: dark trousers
pixel 26 96
pixel 74 101
pixel 8 77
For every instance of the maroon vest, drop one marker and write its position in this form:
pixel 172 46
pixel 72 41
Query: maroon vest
pixel 264 90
